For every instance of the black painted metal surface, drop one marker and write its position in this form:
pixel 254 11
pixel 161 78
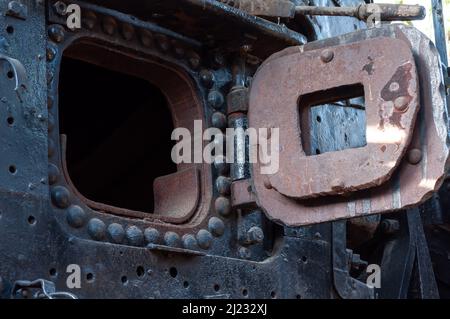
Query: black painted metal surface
pixel 45 227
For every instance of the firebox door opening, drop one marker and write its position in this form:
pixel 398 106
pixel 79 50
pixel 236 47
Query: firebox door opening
pixel 118 130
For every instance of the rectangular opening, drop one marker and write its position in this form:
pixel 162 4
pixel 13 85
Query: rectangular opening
pixel 118 130
pixel 333 120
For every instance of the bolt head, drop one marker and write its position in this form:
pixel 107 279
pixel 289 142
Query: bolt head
pixel 60 8
pixel 255 235
pixel 327 56
pixel 414 156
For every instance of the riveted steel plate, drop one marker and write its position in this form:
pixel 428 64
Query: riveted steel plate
pixel 386 69
pixel 411 183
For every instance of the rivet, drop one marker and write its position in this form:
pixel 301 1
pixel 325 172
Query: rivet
pixel 414 156
pixel 89 20
pixel 51 52
pixel 401 103
pixel 221 165
pixel 223 185
pixel 60 196
pixel 204 238
pixel 215 99
pixel 207 78
pixel 53 174
pixel 194 60
pixel 109 25
pixel 327 56
pixel 56 33
pixel 76 216
pixel 127 31
pixel 222 206
pixel 146 38
pixel 219 120
pixel 189 241
pixel 151 235
pixel 96 229
pixel 163 43
pixel 219 59
pixel 179 51
pixel 135 236
pixel 116 233
pixel 171 239
pixel 216 226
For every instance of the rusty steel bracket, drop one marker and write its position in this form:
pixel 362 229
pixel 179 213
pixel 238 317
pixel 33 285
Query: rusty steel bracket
pixel 392 185
pixel 386 69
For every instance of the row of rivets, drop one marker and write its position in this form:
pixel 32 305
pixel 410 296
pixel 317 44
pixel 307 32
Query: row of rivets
pixel 111 27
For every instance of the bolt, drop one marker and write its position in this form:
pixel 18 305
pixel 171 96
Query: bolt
pixel 327 56
pixel 255 235
pixel 60 8
pixel 401 103
pixel 414 156
pixel 390 226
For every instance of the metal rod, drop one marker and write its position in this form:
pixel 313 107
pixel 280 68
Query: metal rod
pixel 384 12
